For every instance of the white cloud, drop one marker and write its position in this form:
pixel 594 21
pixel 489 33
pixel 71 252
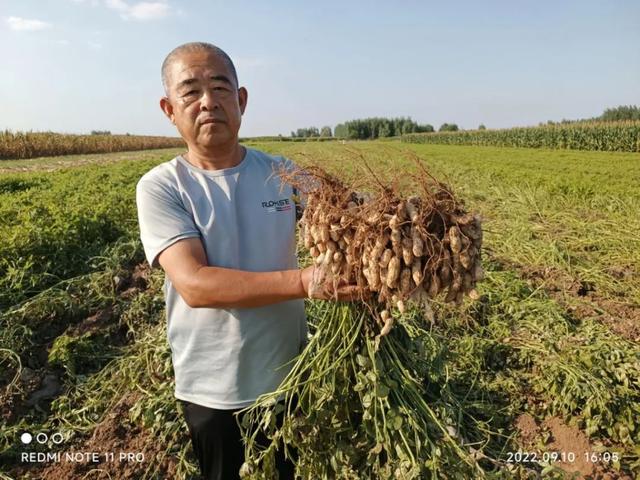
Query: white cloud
pixel 26 24
pixel 62 42
pixel 149 10
pixel 141 11
pixel 94 45
pixel 117 5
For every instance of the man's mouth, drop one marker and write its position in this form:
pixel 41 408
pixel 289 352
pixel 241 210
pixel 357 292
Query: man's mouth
pixel 211 120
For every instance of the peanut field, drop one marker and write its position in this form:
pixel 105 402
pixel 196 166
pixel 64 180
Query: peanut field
pixel 539 377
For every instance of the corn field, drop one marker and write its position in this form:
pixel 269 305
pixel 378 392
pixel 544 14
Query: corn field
pixel 19 145
pixel 623 136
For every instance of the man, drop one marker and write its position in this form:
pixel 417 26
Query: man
pixel 233 289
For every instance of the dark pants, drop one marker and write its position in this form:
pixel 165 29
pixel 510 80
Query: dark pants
pixel 217 443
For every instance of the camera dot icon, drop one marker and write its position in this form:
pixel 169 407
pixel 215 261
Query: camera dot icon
pixel 26 438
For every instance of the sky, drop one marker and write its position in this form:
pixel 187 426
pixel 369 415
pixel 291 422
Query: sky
pixel 74 66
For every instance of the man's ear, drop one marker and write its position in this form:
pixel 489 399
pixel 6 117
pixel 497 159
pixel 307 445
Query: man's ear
pixel 167 108
pixel 243 96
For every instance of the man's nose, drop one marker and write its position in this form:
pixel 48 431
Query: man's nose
pixel 209 101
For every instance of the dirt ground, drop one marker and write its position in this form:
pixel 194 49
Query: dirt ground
pixel 112 436
pixel 562 439
pixel 49 164
pixel 583 301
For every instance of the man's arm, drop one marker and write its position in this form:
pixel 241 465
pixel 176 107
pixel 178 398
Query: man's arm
pixel 203 286
pixel 200 285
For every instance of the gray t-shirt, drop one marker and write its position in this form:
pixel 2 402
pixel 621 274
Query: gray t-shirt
pixel 225 358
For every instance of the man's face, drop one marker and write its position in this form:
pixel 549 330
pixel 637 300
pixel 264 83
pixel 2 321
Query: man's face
pixel 204 101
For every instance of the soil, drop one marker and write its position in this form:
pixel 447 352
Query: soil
pixel 583 300
pixel 113 435
pixel 37 387
pixel 563 439
pixel 96 322
pixel 527 429
pixel 34 389
pixel 129 285
pixel 50 164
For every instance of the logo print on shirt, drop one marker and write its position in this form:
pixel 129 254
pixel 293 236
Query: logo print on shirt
pixel 277 205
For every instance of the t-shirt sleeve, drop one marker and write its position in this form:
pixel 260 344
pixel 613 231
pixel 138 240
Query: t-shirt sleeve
pixel 162 218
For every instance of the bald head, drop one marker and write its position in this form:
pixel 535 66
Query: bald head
pixel 194 47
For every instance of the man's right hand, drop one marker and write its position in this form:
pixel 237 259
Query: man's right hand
pixel 318 285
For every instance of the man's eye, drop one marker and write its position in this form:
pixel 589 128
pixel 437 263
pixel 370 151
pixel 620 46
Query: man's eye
pixel 190 92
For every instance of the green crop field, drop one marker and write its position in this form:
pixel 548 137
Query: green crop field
pixel 618 136
pixel 546 362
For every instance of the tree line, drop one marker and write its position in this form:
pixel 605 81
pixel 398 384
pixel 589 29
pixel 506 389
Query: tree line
pixel 312 132
pixel 378 127
pixel 615 114
pixel 370 128
pixel 623 112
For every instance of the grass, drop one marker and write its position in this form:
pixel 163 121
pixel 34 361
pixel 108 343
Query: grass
pixel 54 222
pixel 560 232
